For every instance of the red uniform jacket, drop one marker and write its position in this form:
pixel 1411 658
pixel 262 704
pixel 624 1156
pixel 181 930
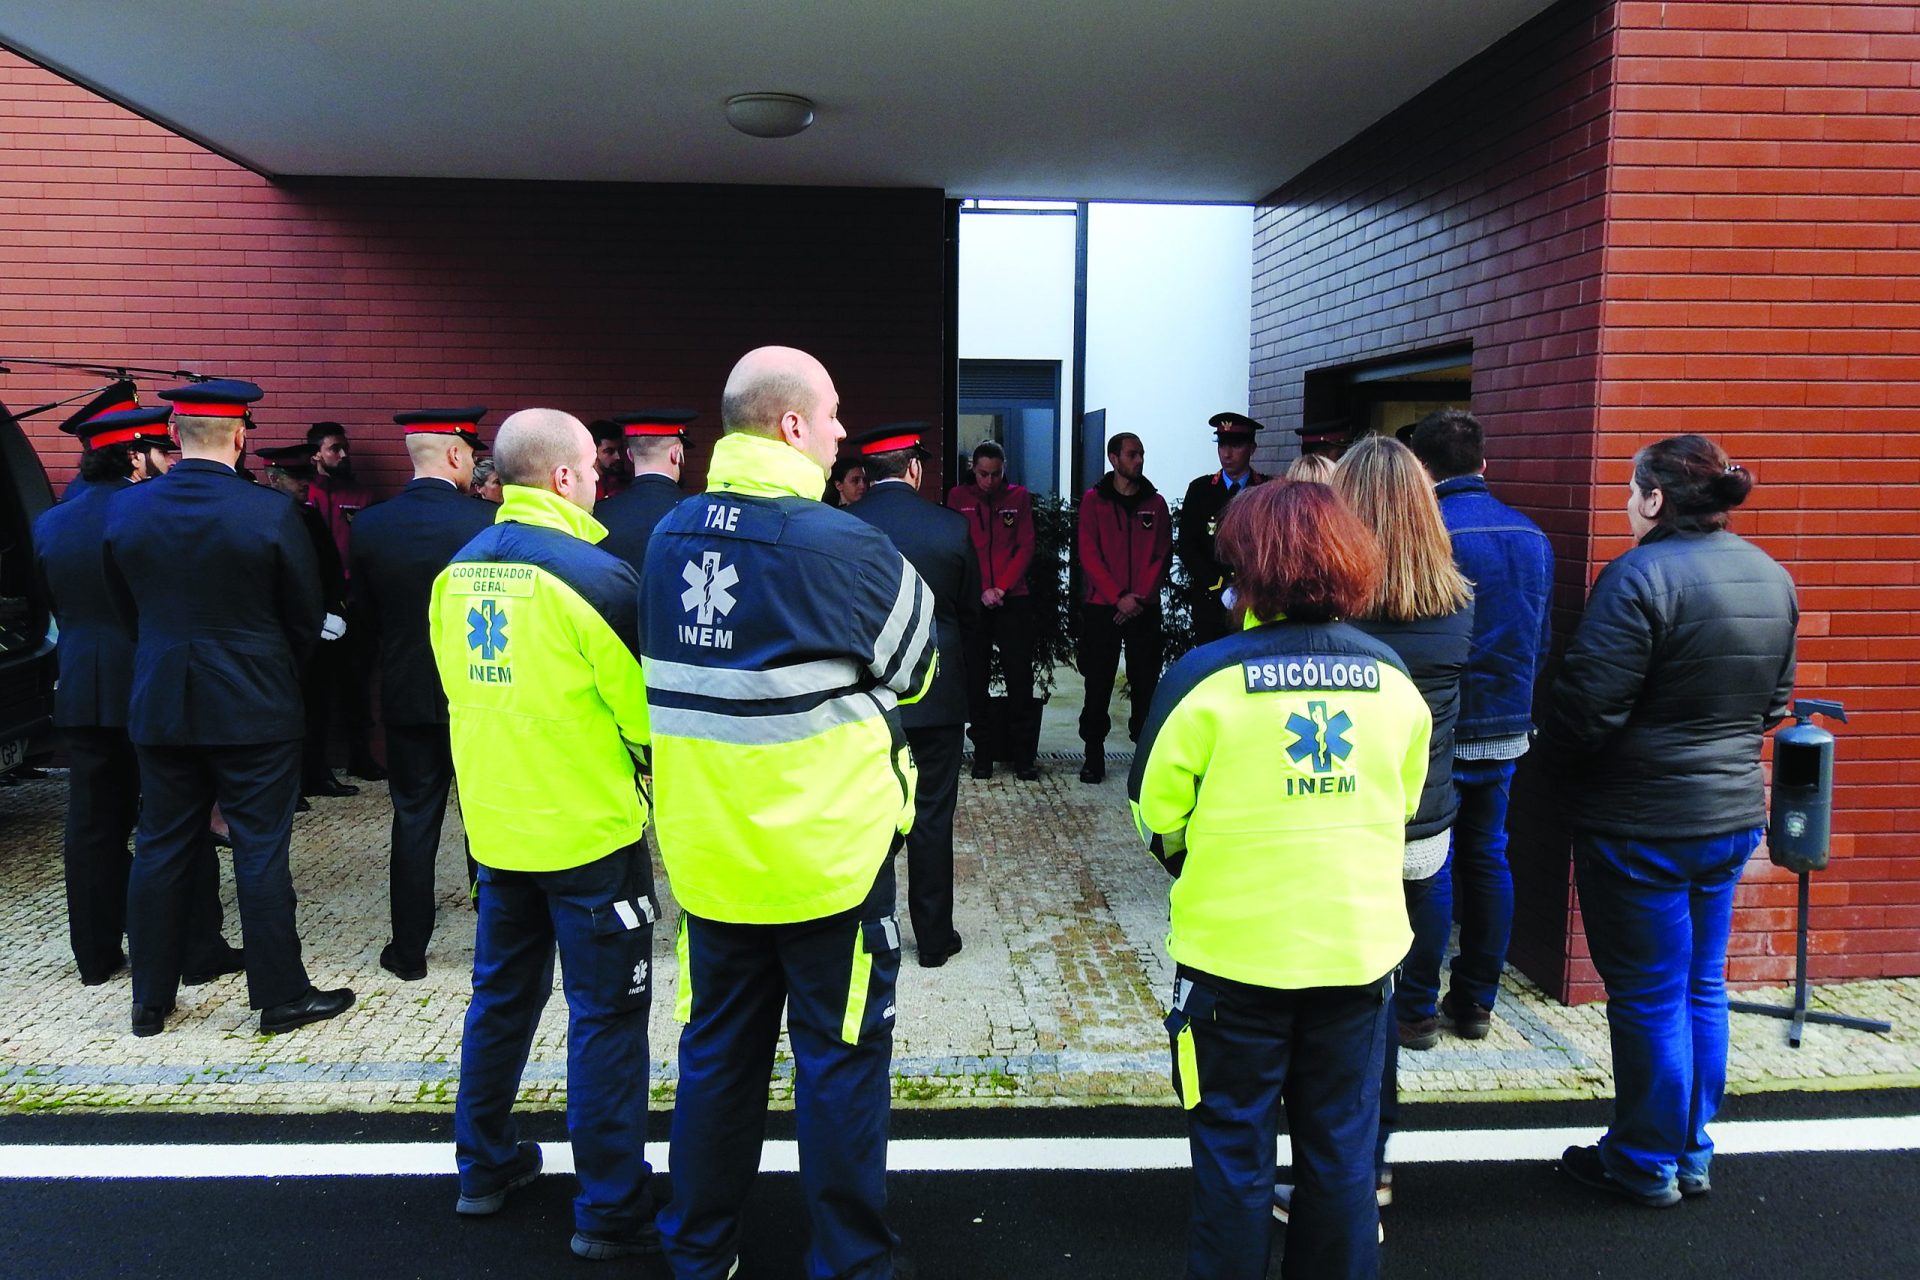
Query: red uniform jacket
pixel 1002 528
pixel 338 504
pixel 1125 543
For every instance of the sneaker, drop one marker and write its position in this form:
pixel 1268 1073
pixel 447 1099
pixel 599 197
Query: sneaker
pixel 600 1248
pixel 527 1163
pixel 1584 1166
pixel 1694 1186
pixel 1471 1020
pixel 1283 1203
pixel 1419 1034
pixel 1383 1188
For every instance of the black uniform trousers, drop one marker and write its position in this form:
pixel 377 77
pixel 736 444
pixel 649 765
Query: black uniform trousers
pixel 1210 618
pixel 319 681
pixel 1010 626
pixel 419 777
pixel 103 803
pixel 256 786
pixel 936 754
pixel 1101 641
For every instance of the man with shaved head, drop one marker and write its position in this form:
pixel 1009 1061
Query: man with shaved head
pixel 398 548
pixel 532 633
pixel 780 638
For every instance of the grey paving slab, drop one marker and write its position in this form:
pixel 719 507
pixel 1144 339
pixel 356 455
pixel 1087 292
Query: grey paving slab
pixel 1057 997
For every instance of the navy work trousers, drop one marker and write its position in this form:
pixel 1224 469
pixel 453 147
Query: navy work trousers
pixel 1657 915
pixel 600 917
pixel 256 786
pixel 1101 642
pixel 835 978
pixel 1009 626
pixel 1317 1052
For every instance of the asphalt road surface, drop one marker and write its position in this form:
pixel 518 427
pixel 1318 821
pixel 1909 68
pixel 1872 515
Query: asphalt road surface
pixel 1800 1213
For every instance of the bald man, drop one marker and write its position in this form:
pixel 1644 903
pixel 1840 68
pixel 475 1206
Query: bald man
pixel 532 631
pixel 780 637
pixel 399 547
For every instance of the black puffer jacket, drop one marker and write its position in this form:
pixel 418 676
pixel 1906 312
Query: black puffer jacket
pixel 1435 652
pixel 1683 660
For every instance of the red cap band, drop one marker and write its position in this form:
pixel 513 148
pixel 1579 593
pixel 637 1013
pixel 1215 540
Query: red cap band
pixel 887 444
pixel 655 429
pixel 440 428
pixel 192 410
pixel 113 408
pixel 127 435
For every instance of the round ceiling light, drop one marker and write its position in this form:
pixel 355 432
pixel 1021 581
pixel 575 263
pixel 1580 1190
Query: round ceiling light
pixel 769 115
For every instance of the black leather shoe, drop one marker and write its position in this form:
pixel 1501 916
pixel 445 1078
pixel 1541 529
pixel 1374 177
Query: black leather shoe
pixel 235 961
pixel 982 766
pixel 315 1006
pixel 405 970
pixel 224 840
pixel 302 805
pixel 367 771
pixel 333 787
pixel 94 977
pixel 1028 772
pixel 148 1021
pixel 1095 769
pixel 934 959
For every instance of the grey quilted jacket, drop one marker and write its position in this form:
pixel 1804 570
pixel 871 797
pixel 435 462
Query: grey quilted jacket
pixel 1683 660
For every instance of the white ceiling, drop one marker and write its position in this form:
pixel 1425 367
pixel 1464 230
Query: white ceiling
pixel 1220 100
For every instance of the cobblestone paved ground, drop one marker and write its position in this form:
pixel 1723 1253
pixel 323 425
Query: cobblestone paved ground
pixel 1057 997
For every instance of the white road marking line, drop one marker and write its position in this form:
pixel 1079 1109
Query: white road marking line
pixel 907 1155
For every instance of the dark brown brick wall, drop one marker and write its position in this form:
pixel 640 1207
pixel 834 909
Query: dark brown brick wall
pixel 349 300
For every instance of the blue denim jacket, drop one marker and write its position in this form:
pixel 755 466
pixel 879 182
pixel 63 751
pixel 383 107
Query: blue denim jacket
pixel 1510 564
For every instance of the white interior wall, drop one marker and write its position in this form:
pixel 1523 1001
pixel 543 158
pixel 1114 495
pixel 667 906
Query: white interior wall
pixel 1169 319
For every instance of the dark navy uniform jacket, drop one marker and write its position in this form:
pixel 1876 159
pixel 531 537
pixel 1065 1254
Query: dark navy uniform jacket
pixel 630 516
pixel 96 651
pixel 216 579
pixel 939 545
pixel 399 548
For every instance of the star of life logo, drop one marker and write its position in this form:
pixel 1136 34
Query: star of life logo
pixel 709 594
pixel 1321 743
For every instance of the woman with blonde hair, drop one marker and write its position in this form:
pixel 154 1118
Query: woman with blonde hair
pixel 1311 468
pixel 1422 609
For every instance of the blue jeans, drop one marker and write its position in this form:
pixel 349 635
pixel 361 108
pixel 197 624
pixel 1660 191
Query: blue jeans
pixel 1657 919
pixel 600 916
pixel 1254 1049
pixel 1477 886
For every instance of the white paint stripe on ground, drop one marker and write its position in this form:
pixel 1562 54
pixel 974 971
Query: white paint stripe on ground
pixel 908 1155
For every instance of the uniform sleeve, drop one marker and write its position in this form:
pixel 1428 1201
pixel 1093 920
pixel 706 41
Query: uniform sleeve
pixel 1605 667
pixel 1015 571
pixel 898 612
pixel 1100 579
pixel 1162 549
pixel 616 674
pixel 1192 541
pixel 297 585
pixel 968 606
pixel 119 594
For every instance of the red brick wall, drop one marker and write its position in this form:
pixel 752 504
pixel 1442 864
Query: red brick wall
pixel 1652 218
pixel 1472 214
pixel 1763 287
pixel 349 300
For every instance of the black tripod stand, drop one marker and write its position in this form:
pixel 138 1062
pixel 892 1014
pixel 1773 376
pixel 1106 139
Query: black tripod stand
pixel 1799 1014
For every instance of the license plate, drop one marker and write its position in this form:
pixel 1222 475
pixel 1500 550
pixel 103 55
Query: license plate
pixel 12 754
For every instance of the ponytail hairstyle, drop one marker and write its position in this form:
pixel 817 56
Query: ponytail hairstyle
pixel 1699 483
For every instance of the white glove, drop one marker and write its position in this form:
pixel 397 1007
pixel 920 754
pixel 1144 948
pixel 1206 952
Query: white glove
pixel 332 627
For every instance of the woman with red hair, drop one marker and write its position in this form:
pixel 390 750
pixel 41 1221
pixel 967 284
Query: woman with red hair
pixel 1274 779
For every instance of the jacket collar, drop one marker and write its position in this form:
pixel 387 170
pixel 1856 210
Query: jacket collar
pixel 654 478
pixel 202 464
pixel 1460 484
pixel 759 467
pixel 522 504
pixel 1138 496
pixel 430 484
